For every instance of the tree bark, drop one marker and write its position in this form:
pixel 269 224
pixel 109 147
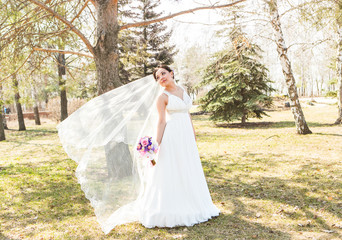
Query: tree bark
pixel 2 128
pixel 3 124
pixel 106 54
pixel 62 87
pixel 339 74
pixel 20 115
pixel 302 127
pixel 35 105
pixel 243 119
pixel 36 115
pixel 3 120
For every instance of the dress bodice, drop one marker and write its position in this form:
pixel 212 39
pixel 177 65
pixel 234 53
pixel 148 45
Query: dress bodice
pixel 177 105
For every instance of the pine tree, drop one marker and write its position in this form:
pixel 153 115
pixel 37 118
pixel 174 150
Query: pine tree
pixel 151 42
pixel 240 85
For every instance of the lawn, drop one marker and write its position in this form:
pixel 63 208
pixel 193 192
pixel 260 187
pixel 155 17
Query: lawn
pixel 268 182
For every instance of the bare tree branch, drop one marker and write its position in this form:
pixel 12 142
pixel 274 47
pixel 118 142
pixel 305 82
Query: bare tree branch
pixel 200 23
pixel 78 14
pixel 139 24
pixel 314 44
pixel 62 51
pixel 66 22
pixel 91 13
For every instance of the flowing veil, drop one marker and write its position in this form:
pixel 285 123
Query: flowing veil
pixel 101 137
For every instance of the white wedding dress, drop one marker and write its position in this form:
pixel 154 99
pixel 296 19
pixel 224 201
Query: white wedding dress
pixel 102 136
pixel 176 192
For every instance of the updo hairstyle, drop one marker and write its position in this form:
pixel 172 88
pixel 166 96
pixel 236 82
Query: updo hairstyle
pixel 164 66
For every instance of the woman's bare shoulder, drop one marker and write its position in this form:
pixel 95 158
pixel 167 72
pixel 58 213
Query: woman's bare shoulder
pixel 163 98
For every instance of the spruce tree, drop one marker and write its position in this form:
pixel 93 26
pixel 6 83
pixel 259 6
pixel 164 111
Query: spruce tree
pixel 239 83
pixel 151 42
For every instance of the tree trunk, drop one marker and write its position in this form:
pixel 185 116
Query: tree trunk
pixel 36 115
pixel 317 86
pixel 35 105
pixel 2 128
pixel 3 117
pixel 3 124
pixel 106 54
pixel 62 87
pixel 339 75
pixel 302 85
pixel 302 127
pixel 21 121
pixel 243 119
pixel 312 86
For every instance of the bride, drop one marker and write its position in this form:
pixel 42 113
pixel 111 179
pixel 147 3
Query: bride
pixel 101 136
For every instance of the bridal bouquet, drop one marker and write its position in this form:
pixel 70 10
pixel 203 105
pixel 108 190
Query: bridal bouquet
pixel 147 149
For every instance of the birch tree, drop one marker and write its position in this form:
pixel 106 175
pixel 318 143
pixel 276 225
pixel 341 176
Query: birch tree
pixel 339 71
pixel 320 14
pixel 338 19
pixel 301 125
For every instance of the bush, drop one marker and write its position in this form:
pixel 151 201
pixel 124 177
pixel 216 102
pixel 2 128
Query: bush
pixel 331 94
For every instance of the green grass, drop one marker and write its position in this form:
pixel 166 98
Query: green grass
pixel 268 182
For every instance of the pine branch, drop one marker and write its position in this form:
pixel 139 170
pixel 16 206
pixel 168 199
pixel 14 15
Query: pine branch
pixel 17 70
pixel 66 22
pixel 144 23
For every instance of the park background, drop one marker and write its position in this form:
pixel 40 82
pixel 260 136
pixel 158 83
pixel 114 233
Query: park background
pixel 276 177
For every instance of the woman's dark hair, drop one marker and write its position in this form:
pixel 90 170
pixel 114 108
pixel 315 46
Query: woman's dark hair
pixel 166 67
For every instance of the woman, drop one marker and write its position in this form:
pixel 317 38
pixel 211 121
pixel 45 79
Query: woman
pixel 176 193
pixel 102 136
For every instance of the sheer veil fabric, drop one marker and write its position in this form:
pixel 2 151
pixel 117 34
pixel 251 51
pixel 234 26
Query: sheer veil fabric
pixel 101 137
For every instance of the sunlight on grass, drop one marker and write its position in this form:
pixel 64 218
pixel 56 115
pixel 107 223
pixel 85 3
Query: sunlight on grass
pixel 269 183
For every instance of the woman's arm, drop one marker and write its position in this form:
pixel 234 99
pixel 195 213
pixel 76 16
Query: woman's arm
pixel 193 127
pixel 161 105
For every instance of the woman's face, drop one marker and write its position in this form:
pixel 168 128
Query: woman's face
pixel 164 77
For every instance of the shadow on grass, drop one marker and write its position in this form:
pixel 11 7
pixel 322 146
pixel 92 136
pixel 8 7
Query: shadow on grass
pixel 48 193
pixel 29 134
pixel 269 125
pixel 3 237
pixel 247 162
pixel 313 196
pixel 42 131
pixel 224 226
pixel 328 134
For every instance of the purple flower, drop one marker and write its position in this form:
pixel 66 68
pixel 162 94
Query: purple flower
pixel 139 147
